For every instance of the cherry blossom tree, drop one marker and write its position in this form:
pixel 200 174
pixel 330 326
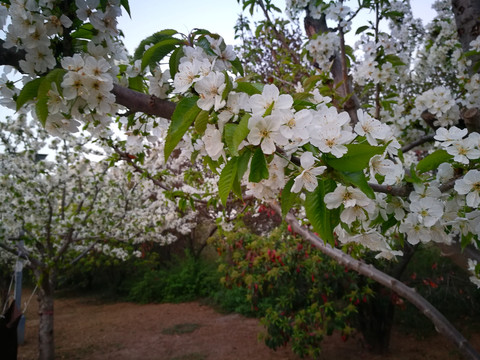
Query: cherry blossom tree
pixel 56 211
pixel 378 145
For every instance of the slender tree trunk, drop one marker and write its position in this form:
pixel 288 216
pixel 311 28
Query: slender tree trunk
pixel 376 320
pixel 46 345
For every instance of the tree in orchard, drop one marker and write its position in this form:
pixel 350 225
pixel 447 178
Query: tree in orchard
pixel 54 212
pixel 375 323
pixel 337 154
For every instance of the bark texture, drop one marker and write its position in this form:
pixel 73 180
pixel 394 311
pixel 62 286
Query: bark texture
pixel 136 101
pixel 46 345
pixel 467 19
pixel 352 104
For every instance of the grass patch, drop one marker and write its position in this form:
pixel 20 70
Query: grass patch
pixel 179 329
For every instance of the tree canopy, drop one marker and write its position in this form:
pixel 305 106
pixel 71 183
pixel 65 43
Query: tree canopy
pixel 375 144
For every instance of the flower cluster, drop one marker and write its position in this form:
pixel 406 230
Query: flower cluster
pixel 261 142
pixel 322 48
pixel 439 101
pixel 84 204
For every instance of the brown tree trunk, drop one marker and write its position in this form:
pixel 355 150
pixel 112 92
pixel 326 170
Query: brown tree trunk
pixel 315 26
pixel 376 319
pixel 46 345
pixel 467 19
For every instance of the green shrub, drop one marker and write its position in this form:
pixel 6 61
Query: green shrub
pixel 233 300
pixel 183 280
pixel 300 294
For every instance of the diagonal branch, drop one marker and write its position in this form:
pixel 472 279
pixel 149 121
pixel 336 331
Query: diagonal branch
pixel 442 325
pixel 133 100
pixel 139 102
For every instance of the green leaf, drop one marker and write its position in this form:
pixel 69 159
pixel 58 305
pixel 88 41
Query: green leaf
pixel 241 131
pixel 229 132
pixel 157 52
pixel 358 179
pixel 236 133
pixel 394 60
pixel 227 177
pixel 41 107
pixel 391 221
pixel 126 6
pixel 249 88
pixel 322 219
pixel 432 161
pixel 361 29
pixel 28 92
pixel 54 76
pixel 205 45
pixel 85 31
pixel 413 177
pixel 201 122
pixel 356 158
pixel 151 40
pixel 174 61
pixel 199 31
pixel 228 86
pixel 288 198
pixel 310 82
pixel 136 83
pixel 258 167
pixel 213 165
pixel 185 113
pixel 242 164
pixel 237 67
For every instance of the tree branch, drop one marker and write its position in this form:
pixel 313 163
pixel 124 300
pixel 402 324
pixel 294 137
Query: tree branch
pixel 138 102
pixel 442 325
pixel 471 117
pixel 421 141
pixel 133 100
pixel 352 104
pixel 402 191
pixel 11 56
pixel 467 19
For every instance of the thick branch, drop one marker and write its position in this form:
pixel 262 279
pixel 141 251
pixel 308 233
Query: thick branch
pixel 402 191
pixel 442 325
pixel 471 117
pixel 131 99
pixel 418 142
pixel 138 102
pixel 458 255
pixel 11 56
pixel 338 68
pixel 467 19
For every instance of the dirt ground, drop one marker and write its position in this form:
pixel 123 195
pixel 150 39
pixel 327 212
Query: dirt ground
pixel 86 328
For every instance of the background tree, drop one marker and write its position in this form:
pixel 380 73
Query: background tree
pixel 54 212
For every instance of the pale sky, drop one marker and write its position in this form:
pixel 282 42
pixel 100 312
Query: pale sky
pixel 220 16
pixel 217 16
pixel 150 16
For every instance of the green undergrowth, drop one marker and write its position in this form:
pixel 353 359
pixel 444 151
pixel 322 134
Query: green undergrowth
pixel 184 280
pixel 188 278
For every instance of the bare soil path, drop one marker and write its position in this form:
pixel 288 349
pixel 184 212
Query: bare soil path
pixel 86 328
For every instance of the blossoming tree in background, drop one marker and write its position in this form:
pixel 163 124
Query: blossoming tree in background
pixel 378 145
pixel 56 211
